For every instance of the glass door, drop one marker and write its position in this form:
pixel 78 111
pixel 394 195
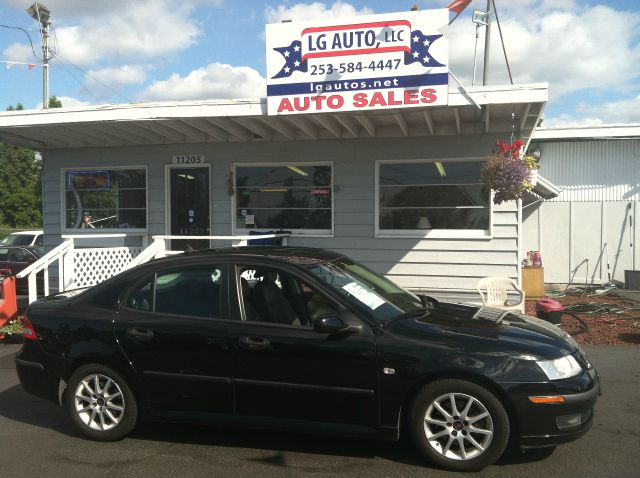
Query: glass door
pixel 189 206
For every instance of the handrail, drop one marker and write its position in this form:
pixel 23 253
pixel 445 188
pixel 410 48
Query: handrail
pixel 245 237
pixel 64 254
pixel 45 260
pixel 151 251
pixel 98 236
pixel 158 248
pixel 59 253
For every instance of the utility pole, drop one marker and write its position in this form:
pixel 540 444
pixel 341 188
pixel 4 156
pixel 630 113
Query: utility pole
pixel 45 65
pixel 39 12
pixel 487 43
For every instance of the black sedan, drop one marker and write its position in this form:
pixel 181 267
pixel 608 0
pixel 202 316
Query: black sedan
pixel 307 340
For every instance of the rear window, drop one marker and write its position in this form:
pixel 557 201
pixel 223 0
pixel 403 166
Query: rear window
pixel 17 240
pixel 193 292
pixel 14 254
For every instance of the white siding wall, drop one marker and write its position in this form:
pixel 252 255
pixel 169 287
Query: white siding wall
pixel 437 265
pixel 594 219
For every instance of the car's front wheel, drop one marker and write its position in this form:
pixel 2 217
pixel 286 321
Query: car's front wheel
pixel 100 403
pixel 459 425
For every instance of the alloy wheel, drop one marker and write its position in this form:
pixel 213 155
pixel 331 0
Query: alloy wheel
pixel 99 402
pixel 458 426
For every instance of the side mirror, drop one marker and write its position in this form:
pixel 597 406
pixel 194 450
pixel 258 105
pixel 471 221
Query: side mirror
pixel 329 324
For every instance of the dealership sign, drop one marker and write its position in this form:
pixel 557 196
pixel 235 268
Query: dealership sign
pixel 394 60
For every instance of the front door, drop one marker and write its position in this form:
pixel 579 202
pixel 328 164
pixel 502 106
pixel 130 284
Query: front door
pixel 284 369
pixel 189 206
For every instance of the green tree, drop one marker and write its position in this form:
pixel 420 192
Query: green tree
pixel 21 182
pixel 20 195
pixel 54 102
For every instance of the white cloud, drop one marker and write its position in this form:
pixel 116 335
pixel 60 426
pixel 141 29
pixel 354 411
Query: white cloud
pixel 568 120
pixel 121 75
pixel 120 30
pixel 584 48
pixel 622 111
pixel 19 52
pixel 614 112
pixel 313 11
pixel 214 81
pixel 62 10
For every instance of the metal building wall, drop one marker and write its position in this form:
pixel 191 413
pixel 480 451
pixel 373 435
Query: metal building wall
pixel 593 170
pixel 591 228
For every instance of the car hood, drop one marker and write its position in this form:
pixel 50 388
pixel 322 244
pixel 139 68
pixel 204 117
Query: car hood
pixel 67 294
pixel 489 329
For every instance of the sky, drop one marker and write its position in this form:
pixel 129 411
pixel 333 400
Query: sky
pixel 123 51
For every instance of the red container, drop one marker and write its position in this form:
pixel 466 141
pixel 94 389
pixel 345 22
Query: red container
pixel 8 299
pixel 549 310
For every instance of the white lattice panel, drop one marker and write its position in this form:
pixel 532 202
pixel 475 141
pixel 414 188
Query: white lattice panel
pixel 92 266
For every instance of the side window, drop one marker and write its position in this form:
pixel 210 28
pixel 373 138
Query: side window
pixel 194 292
pixel 142 297
pixel 39 240
pixel 273 296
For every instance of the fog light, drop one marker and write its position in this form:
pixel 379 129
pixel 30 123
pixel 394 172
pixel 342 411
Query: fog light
pixel 569 421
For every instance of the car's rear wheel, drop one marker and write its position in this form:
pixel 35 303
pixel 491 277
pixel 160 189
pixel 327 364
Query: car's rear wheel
pixel 100 403
pixel 459 425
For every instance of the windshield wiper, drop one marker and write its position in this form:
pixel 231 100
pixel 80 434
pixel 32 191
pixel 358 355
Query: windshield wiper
pixel 409 314
pixel 428 304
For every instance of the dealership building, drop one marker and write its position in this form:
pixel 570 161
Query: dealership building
pixel 394 183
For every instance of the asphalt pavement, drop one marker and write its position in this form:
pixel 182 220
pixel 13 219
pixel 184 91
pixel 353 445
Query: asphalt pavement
pixel 37 439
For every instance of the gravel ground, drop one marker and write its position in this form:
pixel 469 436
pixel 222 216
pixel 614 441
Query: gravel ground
pixel 611 319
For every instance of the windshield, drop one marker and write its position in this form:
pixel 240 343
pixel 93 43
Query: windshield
pixel 366 290
pixel 17 240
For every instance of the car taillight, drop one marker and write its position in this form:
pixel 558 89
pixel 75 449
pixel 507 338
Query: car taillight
pixel 29 333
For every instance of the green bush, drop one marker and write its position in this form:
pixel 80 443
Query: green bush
pixel 12 328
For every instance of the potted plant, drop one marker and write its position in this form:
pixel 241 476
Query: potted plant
pixel 508 172
pixel 11 332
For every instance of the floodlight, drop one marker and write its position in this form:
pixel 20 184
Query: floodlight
pixel 479 17
pixel 39 12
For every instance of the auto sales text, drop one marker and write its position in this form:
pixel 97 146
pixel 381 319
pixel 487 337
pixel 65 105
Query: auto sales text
pixel 371 99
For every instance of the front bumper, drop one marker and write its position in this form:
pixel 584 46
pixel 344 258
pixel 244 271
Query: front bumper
pixel 539 425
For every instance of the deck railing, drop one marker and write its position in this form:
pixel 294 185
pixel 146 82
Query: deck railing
pixel 81 267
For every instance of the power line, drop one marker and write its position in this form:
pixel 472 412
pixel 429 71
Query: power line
pixel 80 82
pixel 28 36
pixel 86 73
pixel 504 50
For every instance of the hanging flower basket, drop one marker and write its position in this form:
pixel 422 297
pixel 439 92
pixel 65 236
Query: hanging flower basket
pixel 508 172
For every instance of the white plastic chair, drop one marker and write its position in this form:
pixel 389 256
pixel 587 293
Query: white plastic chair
pixel 496 289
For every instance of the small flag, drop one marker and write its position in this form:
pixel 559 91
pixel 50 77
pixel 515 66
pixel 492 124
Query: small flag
pixel 31 66
pixel 10 64
pixel 293 59
pixel 457 6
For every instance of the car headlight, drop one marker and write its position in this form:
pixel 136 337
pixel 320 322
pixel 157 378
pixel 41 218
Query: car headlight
pixel 564 367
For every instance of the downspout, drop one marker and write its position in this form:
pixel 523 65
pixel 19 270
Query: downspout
pixel 519 265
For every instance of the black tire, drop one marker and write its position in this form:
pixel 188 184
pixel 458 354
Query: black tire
pixel 106 429
pixel 452 430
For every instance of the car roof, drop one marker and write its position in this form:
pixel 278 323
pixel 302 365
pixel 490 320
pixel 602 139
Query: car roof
pixel 31 233
pixel 287 253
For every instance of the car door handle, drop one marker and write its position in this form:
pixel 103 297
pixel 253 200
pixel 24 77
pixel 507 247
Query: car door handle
pixel 254 343
pixel 138 333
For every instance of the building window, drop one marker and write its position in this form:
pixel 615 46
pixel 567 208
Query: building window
pixel 432 198
pixel 106 199
pixel 293 197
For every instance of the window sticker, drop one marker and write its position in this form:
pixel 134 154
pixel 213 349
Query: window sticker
pixel 364 295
